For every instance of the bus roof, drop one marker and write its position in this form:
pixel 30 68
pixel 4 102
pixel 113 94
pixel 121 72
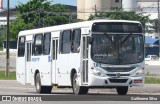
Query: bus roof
pixel 83 24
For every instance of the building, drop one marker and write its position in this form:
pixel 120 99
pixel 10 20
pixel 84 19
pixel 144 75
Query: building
pixel 87 7
pixel 3 23
pixel 129 5
pixel 149 7
pixel 3 17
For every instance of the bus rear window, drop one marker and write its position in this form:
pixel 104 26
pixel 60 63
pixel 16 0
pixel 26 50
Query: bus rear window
pixel 115 27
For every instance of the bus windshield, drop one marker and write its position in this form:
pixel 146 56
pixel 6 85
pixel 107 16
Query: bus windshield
pixel 117 49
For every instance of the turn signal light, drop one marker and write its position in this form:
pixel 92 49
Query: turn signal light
pixel 138 81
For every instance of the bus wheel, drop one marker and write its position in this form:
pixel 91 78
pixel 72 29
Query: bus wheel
pixel 76 88
pixel 39 87
pixel 122 90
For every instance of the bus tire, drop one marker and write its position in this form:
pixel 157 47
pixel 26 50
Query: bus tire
pixel 78 90
pixel 39 88
pixel 84 90
pixel 122 90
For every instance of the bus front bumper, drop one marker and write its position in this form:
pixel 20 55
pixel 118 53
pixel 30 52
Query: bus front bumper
pixel 115 81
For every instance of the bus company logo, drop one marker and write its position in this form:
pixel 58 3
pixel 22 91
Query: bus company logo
pixel 6 98
pixel 35 59
pixel 118 74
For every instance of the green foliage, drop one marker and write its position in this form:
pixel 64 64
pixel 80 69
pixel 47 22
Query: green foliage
pixel 11 76
pixel 152 80
pixel 1 41
pixel 1 48
pixel 36 14
pixel 122 16
pixel 2 36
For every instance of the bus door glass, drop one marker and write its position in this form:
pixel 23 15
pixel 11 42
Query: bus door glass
pixel 84 59
pixel 54 58
pixel 28 62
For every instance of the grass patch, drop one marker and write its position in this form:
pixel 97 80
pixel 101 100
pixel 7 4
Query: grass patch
pixel 152 80
pixel 11 76
pixel 1 48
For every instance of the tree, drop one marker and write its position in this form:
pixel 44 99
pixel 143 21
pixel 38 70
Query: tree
pixel 36 14
pixel 41 13
pixel 2 37
pixel 122 15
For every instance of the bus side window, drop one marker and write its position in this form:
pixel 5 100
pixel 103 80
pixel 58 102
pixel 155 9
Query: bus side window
pixel 21 46
pixel 46 43
pixel 76 36
pixel 54 51
pixel 66 42
pixel 33 46
pixel 38 44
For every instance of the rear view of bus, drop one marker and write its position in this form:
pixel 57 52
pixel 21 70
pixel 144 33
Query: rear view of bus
pixel 116 55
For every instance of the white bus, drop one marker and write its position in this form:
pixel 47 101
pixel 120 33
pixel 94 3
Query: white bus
pixel 91 54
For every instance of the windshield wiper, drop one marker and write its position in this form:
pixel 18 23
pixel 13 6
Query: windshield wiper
pixel 126 39
pixel 110 39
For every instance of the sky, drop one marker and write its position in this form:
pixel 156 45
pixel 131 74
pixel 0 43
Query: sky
pixel 13 3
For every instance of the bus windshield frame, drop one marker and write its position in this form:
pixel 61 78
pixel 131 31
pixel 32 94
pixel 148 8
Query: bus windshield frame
pixel 117 47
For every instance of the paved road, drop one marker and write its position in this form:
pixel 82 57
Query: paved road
pixel 153 69
pixel 12 61
pixel 95 96
pixel 12 87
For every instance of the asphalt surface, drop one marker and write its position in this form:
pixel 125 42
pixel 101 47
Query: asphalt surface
pixel 14 90
pixel 12 87
pixel 152 69
pixel 12 61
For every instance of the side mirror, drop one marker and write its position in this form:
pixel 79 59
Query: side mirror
pixel 90 40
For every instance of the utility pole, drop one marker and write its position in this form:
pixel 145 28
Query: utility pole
pixel 7 41
pixel 95 9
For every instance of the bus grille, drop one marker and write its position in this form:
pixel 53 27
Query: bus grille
pixel 114 75
pixel 118 69
pixel 118 80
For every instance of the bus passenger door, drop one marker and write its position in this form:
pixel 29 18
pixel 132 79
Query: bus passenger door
pixel 28 62
pixel 21 61
pixel 54 59
pixel 84 59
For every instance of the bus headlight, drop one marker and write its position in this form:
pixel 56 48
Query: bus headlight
pixel 138 73
pixel 98 72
